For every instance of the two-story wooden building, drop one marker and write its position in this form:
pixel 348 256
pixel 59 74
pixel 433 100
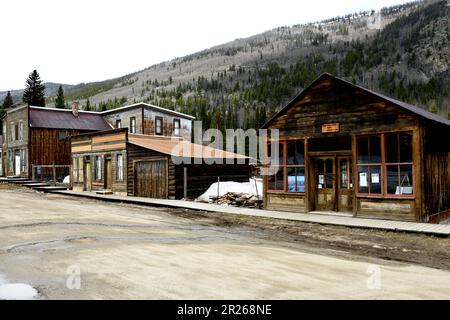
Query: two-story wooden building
pixel 144 118
pixel 36 136
pixel 344 148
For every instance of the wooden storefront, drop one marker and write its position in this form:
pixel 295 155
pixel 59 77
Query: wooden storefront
pixel 343 148
pixel 148 166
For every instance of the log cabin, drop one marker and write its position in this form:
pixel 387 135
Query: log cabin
pixel 119 162
pixel 344 149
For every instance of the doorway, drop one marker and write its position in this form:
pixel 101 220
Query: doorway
pixel 333 181
pixel 17 165
pixel 108 174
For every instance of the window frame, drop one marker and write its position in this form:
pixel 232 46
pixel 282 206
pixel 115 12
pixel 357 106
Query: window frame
pixel 119 123
pixel 384 164
pixel 133 125
pixel 20 130
pixel 157 118
pixel 98 164
pixel 177 128
pixel 284 166
pixel 119 175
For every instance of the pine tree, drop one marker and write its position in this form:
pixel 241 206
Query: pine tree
pixel 88 105
pixel 34 91
pixel 60 101
pixel 7 102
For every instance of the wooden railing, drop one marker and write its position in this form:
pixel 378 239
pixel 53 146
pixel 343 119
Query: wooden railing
pixel 50 173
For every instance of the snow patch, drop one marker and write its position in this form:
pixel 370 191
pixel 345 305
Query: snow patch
pixel 16 291
pixel 66 180
pixel 253 187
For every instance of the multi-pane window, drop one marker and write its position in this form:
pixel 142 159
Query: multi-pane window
pixel 385 164
pixel 158 125
pixel 20 130
pixel 98 168
pixel 13 131
pixel 176 127
pixel 118 124
pixel 119 167
pixel 133 125
pixel 289 164
pixel 399 164
pixel 369 164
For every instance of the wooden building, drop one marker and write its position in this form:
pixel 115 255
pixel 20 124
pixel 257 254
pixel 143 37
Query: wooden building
pixel 122 163
pixel 35 136
pixel 144 118
pixel 344 148
pixel 1 156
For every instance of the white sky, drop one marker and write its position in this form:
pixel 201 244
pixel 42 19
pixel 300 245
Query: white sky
pixel 73 41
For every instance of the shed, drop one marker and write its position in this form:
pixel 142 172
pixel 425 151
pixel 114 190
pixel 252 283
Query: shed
pixel 346 149
pixel 150 166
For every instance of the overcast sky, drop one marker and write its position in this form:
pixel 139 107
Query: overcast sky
pixel 73 41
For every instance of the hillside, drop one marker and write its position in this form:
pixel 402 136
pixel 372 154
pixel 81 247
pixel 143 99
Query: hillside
pixel 402 51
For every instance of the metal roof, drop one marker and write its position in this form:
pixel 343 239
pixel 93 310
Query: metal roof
pixel 178 147
pixel 150 106
pixel 64 119
pixel 414 109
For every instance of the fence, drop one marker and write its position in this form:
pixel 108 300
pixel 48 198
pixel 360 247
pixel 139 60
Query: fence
pixel 50 173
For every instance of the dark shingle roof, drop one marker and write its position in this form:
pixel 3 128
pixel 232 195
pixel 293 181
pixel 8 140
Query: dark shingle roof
pixel 64 119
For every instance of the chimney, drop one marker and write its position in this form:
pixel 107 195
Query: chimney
pixel 75 106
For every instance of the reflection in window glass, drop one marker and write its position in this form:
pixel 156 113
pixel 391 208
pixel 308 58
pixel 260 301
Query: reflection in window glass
pixel 363 150
pixel 405 141
pixel 296 179
pixel 295 153
pixel 329 174
pixel 375 149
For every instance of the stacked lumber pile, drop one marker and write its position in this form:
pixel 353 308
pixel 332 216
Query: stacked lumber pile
pixel 238 200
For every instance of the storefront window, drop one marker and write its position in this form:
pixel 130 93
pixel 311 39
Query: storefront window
pixel 119 167
pixel 290 162
pixel 98 168
pixel 396 167
pixel 369 165
pixel 399 164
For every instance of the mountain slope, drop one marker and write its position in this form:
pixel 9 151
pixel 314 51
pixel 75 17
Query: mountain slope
pixel 402 51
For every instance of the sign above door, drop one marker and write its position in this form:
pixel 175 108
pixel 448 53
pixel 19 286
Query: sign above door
pixel 330 127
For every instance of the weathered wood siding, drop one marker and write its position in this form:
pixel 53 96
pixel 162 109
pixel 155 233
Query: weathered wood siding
pixel 333 102
pixel 50 146
pixel 136 153
pixel 357 112
pixel 106 146
pixel 437 182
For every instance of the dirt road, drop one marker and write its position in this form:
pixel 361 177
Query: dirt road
pixel 71 248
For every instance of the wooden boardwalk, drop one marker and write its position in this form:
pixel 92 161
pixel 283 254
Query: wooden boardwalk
pixel 322 218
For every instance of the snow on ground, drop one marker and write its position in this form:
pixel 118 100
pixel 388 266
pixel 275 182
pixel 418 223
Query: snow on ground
pixel 16 291
pixel 254 187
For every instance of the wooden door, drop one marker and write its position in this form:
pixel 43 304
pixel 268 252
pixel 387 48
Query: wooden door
pixel 151 178
pixel 325 184
pixel 345 184
pixel 108 174
pixel 87 176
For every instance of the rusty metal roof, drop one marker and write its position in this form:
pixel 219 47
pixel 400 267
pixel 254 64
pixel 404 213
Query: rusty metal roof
pixel 406 106
pixel 177 147
pixel 64 119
